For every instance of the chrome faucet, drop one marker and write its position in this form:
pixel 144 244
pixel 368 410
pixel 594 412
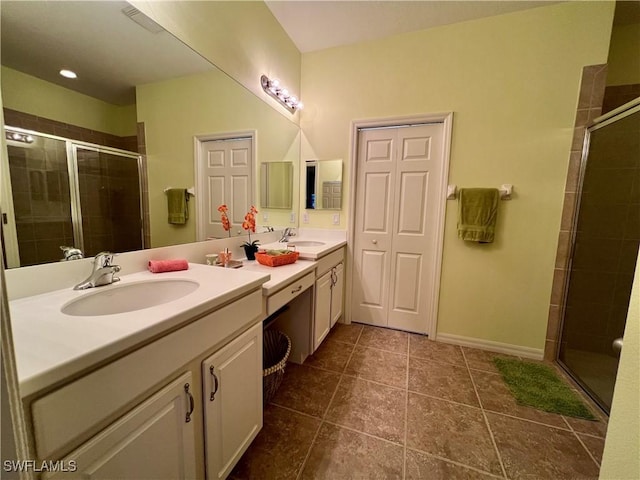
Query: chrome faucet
pixel 288 232
pixel 103 272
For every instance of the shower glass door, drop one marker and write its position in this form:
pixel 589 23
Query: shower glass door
pixel 110 203
pixel 605 248
pixel 68 193
pixel 41 201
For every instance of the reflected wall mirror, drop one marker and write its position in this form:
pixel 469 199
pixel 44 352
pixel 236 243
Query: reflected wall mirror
pixel 128 75
pixel 276 185
pixel 323 182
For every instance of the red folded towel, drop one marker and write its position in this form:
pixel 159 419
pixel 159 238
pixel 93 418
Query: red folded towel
pixel 159 266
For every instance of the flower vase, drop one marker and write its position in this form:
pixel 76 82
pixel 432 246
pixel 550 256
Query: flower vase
pixel 250 251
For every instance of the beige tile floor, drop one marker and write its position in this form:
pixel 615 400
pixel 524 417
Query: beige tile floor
pixel 378 403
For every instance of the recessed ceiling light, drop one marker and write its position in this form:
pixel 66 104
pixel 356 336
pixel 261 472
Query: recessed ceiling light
pixel 68 74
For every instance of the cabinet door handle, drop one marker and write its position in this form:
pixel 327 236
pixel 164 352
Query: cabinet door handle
pixel 375 242
pixel 297 289
pixel 212 397
pixel 191 404
pixel 334 277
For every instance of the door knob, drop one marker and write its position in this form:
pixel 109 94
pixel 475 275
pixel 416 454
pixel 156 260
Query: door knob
pixel 617 345
pixel 375 242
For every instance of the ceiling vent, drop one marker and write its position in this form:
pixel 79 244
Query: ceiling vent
pixel 142 20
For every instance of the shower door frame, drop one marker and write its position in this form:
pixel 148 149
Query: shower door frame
pixel 598 123
pixel 74 187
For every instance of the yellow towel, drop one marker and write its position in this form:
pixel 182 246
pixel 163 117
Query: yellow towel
pixel 477 213
pixel 177 206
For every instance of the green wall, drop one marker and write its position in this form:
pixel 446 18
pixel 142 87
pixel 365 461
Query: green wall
pixel 242 39
pixel 175 111
pixel 512 82
pixel 29 94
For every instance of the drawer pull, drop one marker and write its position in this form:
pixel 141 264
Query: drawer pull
pixel 297 289
pixel 191 404
pixel 212 397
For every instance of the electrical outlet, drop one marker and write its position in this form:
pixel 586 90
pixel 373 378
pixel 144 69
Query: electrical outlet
pixel 336 219
pixel 292 217
pixel 265 216
pixel 305 217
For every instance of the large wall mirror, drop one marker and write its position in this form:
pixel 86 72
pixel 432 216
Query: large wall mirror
pixel 323 182
pixel 130 72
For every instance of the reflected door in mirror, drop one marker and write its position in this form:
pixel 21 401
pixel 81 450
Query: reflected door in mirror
pixel 323 181
pixel 225 178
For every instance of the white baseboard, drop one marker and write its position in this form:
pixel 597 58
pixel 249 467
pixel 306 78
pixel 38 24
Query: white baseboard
pixel 517 350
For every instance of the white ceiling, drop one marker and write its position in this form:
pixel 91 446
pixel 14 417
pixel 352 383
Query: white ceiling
pixel 315 25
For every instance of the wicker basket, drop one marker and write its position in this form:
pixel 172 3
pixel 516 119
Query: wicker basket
pixel 277 347
pixel 277 260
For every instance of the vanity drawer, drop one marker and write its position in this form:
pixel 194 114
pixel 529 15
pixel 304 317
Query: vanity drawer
pixel 329 261
pixel 288 293
pixel 80 409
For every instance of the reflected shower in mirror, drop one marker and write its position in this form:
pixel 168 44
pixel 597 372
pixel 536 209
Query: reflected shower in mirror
pixel 276 185
pixel 323 180
pixel 149 93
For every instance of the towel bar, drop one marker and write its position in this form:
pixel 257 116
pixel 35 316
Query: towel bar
pixel 506 190
pixel 190 191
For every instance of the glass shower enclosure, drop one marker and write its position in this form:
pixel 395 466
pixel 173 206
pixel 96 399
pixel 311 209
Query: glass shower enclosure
pixel 605 241
pixel 70 193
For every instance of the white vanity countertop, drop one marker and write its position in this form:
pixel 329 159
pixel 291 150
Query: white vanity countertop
pixel 51 346
pixel 309 252
pixel 280 276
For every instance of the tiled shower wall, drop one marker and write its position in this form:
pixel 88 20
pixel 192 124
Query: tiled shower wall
pixel 592 88
pixel 27 121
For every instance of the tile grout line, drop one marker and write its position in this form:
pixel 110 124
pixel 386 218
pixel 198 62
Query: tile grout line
pixel 448 460
pixel 484 415
pixel 322 420
pixel 406 413
pixel 351 429
pixel 582 443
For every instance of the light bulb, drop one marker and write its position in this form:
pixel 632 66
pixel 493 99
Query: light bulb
pixel 68 73
pixel 300 106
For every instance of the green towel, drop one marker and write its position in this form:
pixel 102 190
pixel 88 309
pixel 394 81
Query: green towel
pixel 177 206
pixel 477 213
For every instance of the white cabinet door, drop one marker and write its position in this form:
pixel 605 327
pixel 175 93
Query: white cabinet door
pixel 322 315
pixel 232 391
pixel 153 441
pixel 337 291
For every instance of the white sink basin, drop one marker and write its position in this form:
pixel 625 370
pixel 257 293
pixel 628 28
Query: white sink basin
pixel 129 297
pixel 306 243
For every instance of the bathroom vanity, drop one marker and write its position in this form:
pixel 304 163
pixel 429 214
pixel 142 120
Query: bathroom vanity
pixel 182 379
pixel 168 363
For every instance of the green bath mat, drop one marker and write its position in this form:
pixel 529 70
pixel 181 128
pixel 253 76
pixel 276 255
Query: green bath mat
pixel 540 387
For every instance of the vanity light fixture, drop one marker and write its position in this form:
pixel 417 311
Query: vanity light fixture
pixel 19 137
pixel 68 73
pixel 273 89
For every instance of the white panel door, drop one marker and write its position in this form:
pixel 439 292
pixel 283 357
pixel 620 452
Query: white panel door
pixel 232 397
pixel 418 171
pixel 226 179
pixel 397 202
pixel 153 441
pixel 374 225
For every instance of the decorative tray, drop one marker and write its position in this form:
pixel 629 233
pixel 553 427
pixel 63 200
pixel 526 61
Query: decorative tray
pixel 276 258
pixel 230 264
